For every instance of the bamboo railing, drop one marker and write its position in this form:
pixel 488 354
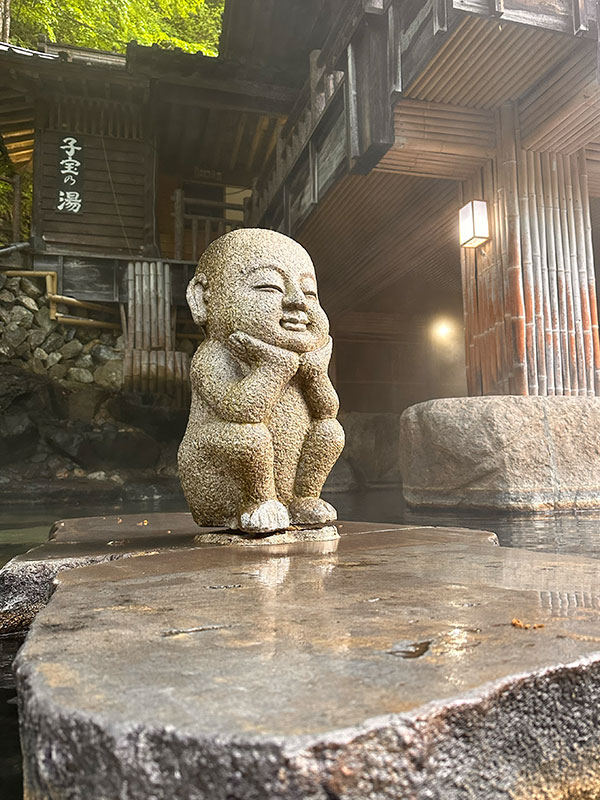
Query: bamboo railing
pixel 530 305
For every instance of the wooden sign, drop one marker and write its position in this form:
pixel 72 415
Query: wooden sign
pixel 70 175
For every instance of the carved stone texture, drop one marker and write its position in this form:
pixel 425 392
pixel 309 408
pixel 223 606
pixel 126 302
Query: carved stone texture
pixel 262 434
pixel 508 453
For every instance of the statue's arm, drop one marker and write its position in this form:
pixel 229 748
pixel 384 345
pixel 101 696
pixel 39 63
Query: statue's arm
pixel 318 390
pixel 249 399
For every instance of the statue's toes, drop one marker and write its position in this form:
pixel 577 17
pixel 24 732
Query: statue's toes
pixel 311 511
pixel 265 518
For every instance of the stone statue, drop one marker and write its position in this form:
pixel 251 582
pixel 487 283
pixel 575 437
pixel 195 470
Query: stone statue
pixel 262 434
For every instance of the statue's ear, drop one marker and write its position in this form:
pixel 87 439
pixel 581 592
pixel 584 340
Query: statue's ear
pixel 197 297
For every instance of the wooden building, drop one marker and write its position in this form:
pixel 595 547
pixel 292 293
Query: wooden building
pixel 360 128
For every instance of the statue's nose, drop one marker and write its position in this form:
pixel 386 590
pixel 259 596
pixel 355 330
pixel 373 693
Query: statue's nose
pixel 294 298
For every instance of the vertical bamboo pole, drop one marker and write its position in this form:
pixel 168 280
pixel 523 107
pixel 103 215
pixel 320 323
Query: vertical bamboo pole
pixel 499 250
pixel 528 280
pixel 152 371
pixel 548 332
pixel 144 364
pixel 560 275
pixel 138 305
pixel 146 305
pixel 579 337
pixel 536 262
pixel 153 309
pixel 167 307
pixel 503 245
pixel 496 302
pixel 551 253
pixel 160 304
pixel 584 293
pixel 130 306
pixel 566 251
pixel 589 250
pixel 170 372
pixel 137 370
pixel 513 265
pixel 160 371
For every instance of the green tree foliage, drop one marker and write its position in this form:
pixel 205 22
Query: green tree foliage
pixel 6 201
pixel 192 25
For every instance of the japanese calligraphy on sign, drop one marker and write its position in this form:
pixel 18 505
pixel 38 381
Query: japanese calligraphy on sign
pixel 70 176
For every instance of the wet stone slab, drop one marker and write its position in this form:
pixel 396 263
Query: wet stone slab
pixel 27 581
pixel 400 664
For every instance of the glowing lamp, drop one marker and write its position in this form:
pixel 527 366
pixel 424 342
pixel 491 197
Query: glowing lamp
pixel 474 228
pixel 441 330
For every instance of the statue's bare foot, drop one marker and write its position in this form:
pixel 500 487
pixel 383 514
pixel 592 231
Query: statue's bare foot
pixel 264 518
pixel 311 511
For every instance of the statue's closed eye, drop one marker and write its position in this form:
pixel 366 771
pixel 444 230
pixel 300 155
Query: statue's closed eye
pixel 269 287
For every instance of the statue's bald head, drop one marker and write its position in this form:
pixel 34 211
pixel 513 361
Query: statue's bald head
pixel 240 250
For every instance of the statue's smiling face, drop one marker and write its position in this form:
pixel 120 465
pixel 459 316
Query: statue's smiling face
pixel 271 295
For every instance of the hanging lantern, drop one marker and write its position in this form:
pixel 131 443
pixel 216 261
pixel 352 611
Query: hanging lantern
pixel 474 227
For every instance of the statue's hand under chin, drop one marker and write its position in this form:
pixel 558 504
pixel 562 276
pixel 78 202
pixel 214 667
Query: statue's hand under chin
pixel 254 351
pixel 316 361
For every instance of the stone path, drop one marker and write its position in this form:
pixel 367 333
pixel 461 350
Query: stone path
pixel 399 663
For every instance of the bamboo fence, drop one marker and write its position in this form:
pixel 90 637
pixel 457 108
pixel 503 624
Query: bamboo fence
pixel 531 320
pixel 150 363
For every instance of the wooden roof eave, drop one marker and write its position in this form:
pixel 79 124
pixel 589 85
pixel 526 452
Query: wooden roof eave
pixel 198 80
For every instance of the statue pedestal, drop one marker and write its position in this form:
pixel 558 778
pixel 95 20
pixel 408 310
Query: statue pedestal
pixel 393 662
pixel 504 453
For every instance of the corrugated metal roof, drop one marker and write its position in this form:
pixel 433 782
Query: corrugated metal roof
pixel 24 51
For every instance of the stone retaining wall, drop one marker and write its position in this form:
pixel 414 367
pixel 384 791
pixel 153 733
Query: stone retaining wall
pixel 30 339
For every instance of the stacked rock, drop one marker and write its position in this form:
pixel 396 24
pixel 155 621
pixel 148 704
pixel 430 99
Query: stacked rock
pixel 29 338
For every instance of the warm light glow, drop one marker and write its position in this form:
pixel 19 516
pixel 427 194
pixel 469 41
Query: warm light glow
pixel 473 224
pixel 442 330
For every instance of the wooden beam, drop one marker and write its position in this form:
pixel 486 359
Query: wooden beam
pixel 496 8
pixel 271 103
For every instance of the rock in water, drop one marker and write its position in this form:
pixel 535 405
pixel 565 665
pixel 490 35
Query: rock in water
pixel 515 453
